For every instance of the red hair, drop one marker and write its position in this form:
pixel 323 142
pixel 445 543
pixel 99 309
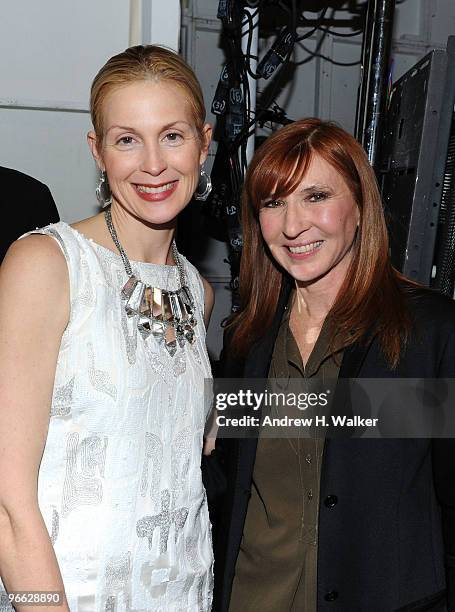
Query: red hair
pixel 371 298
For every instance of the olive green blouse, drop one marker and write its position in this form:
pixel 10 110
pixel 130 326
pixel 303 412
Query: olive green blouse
pixel 276 569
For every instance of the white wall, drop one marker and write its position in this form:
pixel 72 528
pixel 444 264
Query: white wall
pixel 50 51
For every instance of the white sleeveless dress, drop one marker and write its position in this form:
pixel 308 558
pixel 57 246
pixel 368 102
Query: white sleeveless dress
pixel 120 484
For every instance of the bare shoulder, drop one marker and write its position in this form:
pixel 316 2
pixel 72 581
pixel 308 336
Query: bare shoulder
pixel 34 273
pixel 31 252
pixel 94 228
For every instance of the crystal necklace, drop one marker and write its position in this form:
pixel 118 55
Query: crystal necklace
pixel 167 315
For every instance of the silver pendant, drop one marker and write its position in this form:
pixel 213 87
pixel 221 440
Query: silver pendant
pixel 171 347
pixel 167 315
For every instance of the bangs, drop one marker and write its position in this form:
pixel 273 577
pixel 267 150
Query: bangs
pixel 277 174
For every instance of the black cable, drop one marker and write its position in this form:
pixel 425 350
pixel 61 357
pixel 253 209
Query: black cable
pixel 307 34
pixel 316 52
pixel 249 129
pixel 319 43
pixel 239 27
pixel 293 17
pixel 341 34
pixel 284 6
pixel 248 55
pixel 244 134
pixel 247 119
pixel 249 19
pixel 313 54
pixel 316 27
pixel 247 132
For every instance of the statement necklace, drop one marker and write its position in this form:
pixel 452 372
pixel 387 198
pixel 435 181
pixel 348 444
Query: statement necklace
pixel 167 315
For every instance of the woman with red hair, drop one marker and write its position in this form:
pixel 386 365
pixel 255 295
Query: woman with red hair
pixel 331 524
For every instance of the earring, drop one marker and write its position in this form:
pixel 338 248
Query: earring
pixel 103 192
pixel 204 186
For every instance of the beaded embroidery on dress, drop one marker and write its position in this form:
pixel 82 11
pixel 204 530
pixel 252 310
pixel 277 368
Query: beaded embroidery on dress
pixel 120 484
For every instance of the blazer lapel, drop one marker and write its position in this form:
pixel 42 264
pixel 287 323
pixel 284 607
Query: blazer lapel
pixel 353 358
pixel 257 365
pixel 351 364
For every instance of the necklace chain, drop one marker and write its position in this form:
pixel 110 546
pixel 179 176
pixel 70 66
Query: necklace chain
pixel 168 315
pixel 123 255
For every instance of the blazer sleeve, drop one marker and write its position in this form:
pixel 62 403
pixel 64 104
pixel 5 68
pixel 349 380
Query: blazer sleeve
pixel 444 478
pixel 213 466
pixel 46 212
pixel 29 203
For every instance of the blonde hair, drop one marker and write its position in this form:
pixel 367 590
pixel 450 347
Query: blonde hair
pixel 144 63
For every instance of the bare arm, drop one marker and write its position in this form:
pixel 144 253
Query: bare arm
pixel 209 300
pixel 34 311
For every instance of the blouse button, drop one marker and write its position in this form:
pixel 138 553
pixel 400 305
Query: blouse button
pixel 331 501
pixel 331 596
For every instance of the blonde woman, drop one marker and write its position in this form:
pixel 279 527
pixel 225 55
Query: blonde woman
pixel 103 361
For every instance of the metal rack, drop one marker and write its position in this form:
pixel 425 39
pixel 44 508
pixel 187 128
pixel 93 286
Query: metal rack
pixel 413 160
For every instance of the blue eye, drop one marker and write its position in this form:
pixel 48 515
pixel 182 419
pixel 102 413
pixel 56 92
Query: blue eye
pixel 125 140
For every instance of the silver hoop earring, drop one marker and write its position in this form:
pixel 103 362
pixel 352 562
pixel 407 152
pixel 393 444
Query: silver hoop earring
pixel 103 191
pixel 204 186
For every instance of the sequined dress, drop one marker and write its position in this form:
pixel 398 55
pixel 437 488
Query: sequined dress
pixel 120 484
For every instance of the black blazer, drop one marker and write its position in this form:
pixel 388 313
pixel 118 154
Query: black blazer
pixel 25 204
pixel 388 542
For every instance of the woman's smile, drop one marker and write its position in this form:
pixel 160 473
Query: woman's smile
pixel 303 251
pixel 156 193
pixel 310 232
pixel 151 150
